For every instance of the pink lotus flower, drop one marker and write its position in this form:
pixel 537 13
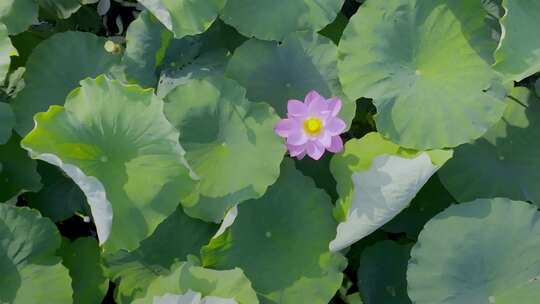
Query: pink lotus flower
pixel 312 126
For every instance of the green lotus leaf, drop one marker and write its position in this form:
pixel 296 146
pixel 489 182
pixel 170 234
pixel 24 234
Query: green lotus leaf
pixel 481 252
pixel 430 200
pixel 83 259
pixel 276 72
pixel 31 272
pixel 225 284
pixel 191 297
pixel 517 55
pixel 218 126
pixel 376 180
pixel 198 56
pixel 221 35
pixel 185 17
pixel 320 172
pixel 382 273
pixel 6 51
pixel 18 173
pixel 205 65
pixel 273 20
pixel 55 68
pixel 173 241
pixel 63 8
pixel 183 52
pixel 285 234
pixel 17 15
pixel 151 51
pixel 426 64
pixel 7 122
pixel 147 41
pixel 59 198
pixel 504 162
pixel 114 141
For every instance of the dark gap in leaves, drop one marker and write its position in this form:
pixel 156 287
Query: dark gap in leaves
pixel 21 202
pixel 398 237
pixel 355 251
pixel 528 82
pixel 117 10
pixel 86 19
pixel 109 297
pixel 363 122
pixel 75 227
pixel 350 7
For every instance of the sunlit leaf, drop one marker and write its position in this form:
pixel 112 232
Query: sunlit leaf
pixel 427 66
pixel 484 251
pixel 218 126
pixel 114 141
pixel 376 180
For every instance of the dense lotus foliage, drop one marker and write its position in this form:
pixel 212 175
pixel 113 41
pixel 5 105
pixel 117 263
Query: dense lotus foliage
pixel 269 152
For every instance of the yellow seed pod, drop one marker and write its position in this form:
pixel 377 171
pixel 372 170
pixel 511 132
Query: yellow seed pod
pixel 112 47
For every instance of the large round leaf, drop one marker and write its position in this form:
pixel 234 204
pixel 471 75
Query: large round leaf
pixel 31 272
pixel 281 243
pixel 116 144
pixel 7 122
pixel 83 259
pixel 382 273
pixel 18 15
pixel 55 68
pixel 517 55
pixel 18 173
pixel 174 240
pixel 219 126
pixel 6 51
pixel 504 162
pixel 482 252
pixel 276 72
pixel 273 20
pixel 426 64
pixel 376 180
pixel 225 284
pixel 185 17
